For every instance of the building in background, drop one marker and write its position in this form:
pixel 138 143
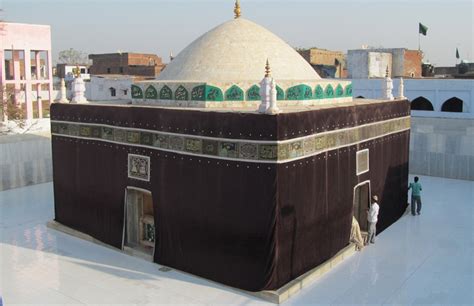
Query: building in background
pixel 373 63
pixel 135 64
pixel 66 71
pixel 464 70
pixel 327 63
pixel 26 72
pixel 110 87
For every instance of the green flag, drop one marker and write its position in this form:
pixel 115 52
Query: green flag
pixel 457 53
pixel 422 29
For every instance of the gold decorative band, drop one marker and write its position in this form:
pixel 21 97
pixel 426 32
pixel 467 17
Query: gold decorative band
pixel 232 149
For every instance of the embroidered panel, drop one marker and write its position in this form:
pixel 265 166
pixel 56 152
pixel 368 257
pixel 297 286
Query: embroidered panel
pixel 151 93
pixel 137 92
pixel 234 93
pixel 299 92
pixel 181 94
pixel 362 161
pixel 139 167
pixel 240 149
pixel 253 94
pixel 166 93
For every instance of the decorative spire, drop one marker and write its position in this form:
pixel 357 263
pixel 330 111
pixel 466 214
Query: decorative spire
pixel 268 70
pixel 237 9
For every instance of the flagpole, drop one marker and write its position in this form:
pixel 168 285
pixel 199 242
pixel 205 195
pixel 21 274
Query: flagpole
pixel 419 41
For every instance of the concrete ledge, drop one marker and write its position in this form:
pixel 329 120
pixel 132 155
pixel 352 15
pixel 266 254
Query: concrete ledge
pixel 67 230
pixel 274 296
pixel 294 286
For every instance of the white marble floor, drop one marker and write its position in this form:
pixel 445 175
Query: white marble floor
pixel 426 259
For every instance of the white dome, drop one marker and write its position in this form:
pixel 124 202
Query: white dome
pixel 237 51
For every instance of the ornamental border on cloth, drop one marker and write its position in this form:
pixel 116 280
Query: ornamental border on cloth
pixel 257 151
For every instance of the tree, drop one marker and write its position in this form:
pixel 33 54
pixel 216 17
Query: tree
pixel 73 57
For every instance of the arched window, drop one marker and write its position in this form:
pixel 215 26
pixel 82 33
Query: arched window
pixel 113 92
pixel 452 105
pixel 421 103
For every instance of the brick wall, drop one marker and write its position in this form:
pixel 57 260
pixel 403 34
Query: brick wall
pixel 412 63
pixel 149 65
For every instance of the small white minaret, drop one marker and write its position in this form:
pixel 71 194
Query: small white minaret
pixel 387 87
pixel 268 93
pixel 63 95
pixel 401 89
pixel 78 88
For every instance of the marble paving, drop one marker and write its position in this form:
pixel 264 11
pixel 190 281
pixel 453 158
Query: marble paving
pixel 427 259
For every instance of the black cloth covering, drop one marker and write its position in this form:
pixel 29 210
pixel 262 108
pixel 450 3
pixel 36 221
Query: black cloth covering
pixel 253 226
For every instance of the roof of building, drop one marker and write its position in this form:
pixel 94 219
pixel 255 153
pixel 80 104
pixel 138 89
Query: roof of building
pixel 237 51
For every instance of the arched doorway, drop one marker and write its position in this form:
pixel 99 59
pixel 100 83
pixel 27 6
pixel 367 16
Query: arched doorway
pixel 452 105
pixel 421 103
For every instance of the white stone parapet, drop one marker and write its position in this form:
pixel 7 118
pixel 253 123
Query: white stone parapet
pixel 387 88
pixel 265 88
pixel 78 91
pixel 273 109
pixel 401 89
pixel 63 94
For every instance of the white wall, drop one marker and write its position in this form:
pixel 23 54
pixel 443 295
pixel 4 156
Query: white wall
pixel 26 160
pixel 442 147
pixel 357 64
pixel 368 63
pixel 378 63
pixel 98 89
pixel 437 91
pixel 44 94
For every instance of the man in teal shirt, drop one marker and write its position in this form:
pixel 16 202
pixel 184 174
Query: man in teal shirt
pixel 415 196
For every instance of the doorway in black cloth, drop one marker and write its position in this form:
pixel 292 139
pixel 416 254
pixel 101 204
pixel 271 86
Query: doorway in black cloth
pixel 361 204
pixel 139 232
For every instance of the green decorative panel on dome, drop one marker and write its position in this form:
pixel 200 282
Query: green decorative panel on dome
pixel 299 92
pixel 280 93
pixel 253 94
pixel 166 93
pixel 199 93
pixel 151 93
pixel 339 91
pixel 181 94
pixel 348 90
pixel 319 92
pixel 207 93
pixel 329 91
pixel 214 94
pixel 137 92
pixel 234 93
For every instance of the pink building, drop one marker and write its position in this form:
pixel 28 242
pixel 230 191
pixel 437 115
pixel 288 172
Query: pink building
pixel 25 60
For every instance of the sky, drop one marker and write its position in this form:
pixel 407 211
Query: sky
pixel 164 26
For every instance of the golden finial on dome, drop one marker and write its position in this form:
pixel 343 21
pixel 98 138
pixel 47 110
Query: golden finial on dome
pixel 268 70
pixel 237 9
